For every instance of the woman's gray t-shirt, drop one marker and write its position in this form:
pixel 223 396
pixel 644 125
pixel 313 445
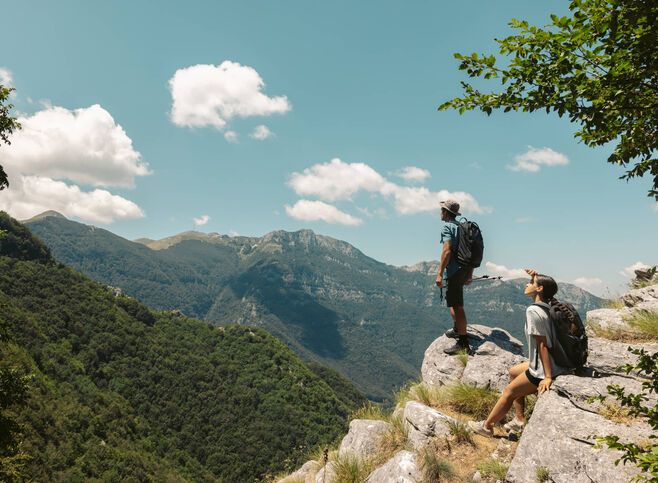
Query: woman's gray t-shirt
pixel 538 323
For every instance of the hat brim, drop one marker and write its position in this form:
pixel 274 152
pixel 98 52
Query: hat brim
pixel 448 209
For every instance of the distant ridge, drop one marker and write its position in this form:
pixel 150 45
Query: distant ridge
pixel 170 241
pixel 45 214
pixel 323 297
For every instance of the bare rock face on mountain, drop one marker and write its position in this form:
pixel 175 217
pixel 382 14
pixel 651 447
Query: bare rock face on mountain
pixel 399 469
pixel 495 351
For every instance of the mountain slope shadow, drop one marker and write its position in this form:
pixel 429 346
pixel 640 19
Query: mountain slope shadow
pixel 274 288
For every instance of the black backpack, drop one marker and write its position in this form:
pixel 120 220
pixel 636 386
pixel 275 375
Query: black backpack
pixel 470 245
pixel 570 347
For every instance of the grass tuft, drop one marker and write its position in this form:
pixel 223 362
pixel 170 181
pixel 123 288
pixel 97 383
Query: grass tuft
pixel 434 467
pixel 492 468
pixel 542 474
pixel 467 399
pixel 422 393
pixel 646 323
pixel 530 402
pixel 403 394
pixel 394 440
pixel 614 304
pixel 350 469
pixel 461 432
pixel 370 411
pixel 462 357
pixel 615 413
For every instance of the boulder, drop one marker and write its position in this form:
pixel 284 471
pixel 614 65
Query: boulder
pixel 306 473
pixel 646 294
pixel 607 356
pixel 490 365
pixel 439 368
pixel 610 319
pixel 561 438
pixel 495 352
pixel 327 474
pixel 363 437
pixel 579 389
pixel 424 422
pixel 399 469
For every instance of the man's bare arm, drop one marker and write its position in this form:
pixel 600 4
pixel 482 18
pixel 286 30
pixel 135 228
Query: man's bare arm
pixel 445 259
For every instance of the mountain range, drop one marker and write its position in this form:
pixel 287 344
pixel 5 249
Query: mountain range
pixel 323 297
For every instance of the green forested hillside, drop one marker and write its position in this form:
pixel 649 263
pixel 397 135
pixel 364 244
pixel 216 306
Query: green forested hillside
pixel 122 393
pixel 322 297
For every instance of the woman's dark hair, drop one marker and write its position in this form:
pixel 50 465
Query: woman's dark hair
pixel 549 286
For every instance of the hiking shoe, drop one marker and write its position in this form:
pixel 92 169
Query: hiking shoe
pixel 456 348
pixel 514 426
pixel 478 427
pixel 452 333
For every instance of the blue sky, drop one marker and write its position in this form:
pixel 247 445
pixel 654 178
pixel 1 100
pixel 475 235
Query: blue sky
pixel 139 117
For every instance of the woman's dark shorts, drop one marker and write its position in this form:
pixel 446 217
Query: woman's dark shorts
pixel 534 380
pixel 455 288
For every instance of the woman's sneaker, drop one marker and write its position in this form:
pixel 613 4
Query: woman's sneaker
pixel 479 428
pixel 514 426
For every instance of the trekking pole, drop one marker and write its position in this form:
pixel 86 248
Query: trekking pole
pixel 486 277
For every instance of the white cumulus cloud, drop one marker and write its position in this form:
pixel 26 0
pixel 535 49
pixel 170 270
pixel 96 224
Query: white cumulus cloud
pixel 83 145
pixel 231 136
pixel 212 95
pixel 30 195
pixel 534 158
pixel 6 78
pixel 413 174
pixel 587 283
pixel 202 220
pixel 507 273
pixel 630 270
pixel 261 133
pixel 309 210
pixel 338 180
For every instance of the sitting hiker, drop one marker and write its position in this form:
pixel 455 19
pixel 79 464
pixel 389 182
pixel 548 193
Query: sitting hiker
pixel 538 373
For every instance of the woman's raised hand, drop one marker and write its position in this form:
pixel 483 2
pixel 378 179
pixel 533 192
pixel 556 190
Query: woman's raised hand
pixel 531 271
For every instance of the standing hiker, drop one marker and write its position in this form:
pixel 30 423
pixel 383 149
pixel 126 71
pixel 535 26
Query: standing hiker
pixel 456 276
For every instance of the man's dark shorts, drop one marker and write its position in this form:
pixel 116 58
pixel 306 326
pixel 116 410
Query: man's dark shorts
pixel 455 288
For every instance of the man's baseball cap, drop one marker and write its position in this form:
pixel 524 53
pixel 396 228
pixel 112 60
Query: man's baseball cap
pixel 452 206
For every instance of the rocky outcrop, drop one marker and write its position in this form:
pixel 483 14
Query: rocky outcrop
pixel 363 438
pixel 423 422
pixel 401 468
pixel 495 351
pixel 639 296
pixel 560 436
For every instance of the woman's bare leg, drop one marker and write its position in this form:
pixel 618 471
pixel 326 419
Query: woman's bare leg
pixel 518 388
pixel 519 404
